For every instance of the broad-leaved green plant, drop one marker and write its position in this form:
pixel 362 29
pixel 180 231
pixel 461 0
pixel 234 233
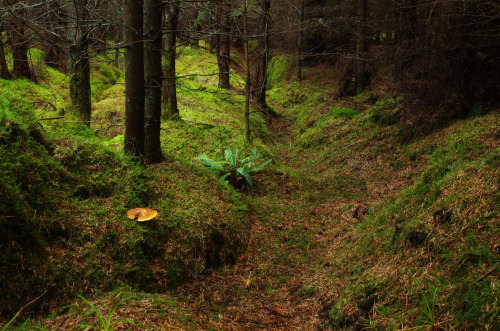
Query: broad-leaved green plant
pixel 232 168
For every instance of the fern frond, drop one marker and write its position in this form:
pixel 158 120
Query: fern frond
pixel 208 162
pixel 261 166
pixel 245 174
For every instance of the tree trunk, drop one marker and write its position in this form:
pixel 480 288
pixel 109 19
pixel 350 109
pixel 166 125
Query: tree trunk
pixel 171 111
pixel 4 70
pixel 362 74
pixel 118 39
pixel 19 48
pixel 79 80
pixel 55 56
pixel 224 42
pixel 247 73
pixel 153 78
pixel 263 44
pixel 134 77
pixel 407 21
pixel 406 33
pixel 362 46
pixel 300 40
pixel 79 66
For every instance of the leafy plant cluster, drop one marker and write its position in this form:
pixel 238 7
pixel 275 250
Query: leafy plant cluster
pixel 235 170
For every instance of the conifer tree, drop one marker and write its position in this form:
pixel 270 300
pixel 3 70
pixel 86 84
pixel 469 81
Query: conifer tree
pixel 134 77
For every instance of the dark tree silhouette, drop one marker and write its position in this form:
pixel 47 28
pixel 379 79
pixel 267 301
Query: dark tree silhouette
pixel 171 110
pixel 299 44
pixel 134 77
pixel 153 14
pixel 78 53
pixel 223 42
pixel 20 45
pixel 263 56
pixel 4 70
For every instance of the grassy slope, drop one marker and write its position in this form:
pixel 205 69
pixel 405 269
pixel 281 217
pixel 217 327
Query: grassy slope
pixel 399 187
pixel 346 237
pixel 343 235
pixel 375 192
pixel 65 192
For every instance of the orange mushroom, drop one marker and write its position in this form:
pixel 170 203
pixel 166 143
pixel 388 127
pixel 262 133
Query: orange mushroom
pixel 142 214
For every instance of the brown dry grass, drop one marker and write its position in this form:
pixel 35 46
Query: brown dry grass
pixel 307 252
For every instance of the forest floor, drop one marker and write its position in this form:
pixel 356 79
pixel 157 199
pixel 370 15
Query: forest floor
pixel 332 223
pixel 274 285
pixel 307 257
pixel 280 282
pixel 284 281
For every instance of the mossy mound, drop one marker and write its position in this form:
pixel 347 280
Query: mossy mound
pixel 63 222
pixel 412 224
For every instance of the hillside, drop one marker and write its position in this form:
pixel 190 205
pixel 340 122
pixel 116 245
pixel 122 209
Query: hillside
pixel 352 226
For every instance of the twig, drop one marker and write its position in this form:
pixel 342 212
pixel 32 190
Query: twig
pixel 102 123
pixel 47 103
pixel 50 118
pixel 485 275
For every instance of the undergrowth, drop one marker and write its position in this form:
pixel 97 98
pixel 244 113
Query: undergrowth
pixel 65 192
pixel 431 204
pixel 358 228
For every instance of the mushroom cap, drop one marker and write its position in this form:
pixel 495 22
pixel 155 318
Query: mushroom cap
pixel 142 214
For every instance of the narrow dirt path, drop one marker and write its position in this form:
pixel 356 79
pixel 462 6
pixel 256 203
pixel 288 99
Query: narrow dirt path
pixel 280 282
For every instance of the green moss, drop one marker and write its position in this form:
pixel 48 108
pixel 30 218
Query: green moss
pixel 104 74
pixel 459 164
pixel 339 113
pixel 278 71
pixel 71 190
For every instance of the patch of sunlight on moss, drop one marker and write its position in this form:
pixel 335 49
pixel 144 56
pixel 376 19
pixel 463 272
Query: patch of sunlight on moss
pixel 279 69
pixel 104 74
pixel 41 95
pixel 196 61
pixel 115 91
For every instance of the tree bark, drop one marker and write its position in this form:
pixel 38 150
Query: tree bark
pixel 78 56
pixel 263 44
pixel 118 39
pixel 171 110
pixel 4 70
pixel 54 56
pixel 247 73
pixel 300 39
pixel 79 80
pixel 224 42
pixel 362 46
pixel 406 33
pixel 153 79
pixel 134 77
pixel 19 48
pixel 362 74
pixel 407 21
